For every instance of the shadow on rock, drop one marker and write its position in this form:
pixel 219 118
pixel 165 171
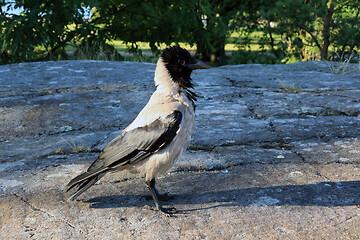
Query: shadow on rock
pixel 320 194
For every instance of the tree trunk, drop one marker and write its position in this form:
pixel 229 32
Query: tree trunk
pixel 220 51
pixel 217 56
pixel 326 32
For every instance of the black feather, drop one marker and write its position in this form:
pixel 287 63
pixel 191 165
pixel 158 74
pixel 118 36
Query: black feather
pixel 128 148
pixel 175 59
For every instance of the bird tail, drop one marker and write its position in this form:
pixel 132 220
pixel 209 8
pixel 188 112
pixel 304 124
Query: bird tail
pixel 83 182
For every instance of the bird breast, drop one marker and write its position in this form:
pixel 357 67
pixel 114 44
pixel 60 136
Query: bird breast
pixel 162 161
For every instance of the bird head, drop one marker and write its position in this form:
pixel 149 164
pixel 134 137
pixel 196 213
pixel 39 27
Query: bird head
pixel 179 65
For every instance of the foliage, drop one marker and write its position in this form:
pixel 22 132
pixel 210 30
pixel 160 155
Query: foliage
pixel 155 22
pixel 44 28
pixel 308 28
pixel 216 20
pixel 93 48
pixel 211 28
pixel 346 31
pixel 291 29
pixel 251 57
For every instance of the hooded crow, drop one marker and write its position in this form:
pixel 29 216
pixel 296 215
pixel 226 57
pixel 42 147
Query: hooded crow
pixel 158 135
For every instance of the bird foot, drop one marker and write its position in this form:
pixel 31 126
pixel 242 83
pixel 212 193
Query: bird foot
pixel 168 212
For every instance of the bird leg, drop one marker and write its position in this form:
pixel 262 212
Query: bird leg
pixel 161 197
pixel 167 211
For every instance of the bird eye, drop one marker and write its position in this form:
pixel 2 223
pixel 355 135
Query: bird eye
pixel 181 61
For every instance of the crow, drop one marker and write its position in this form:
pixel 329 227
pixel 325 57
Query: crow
pixel 158 135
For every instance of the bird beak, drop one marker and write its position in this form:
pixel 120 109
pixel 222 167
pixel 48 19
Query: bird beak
pixel 198 65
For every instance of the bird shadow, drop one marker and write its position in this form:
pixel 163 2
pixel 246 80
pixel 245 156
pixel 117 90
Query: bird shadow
pixel 329 194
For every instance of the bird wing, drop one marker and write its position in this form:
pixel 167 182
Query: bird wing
pixel 139 143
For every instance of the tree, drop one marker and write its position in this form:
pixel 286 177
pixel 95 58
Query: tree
pixel 291 28
pixel 206 23
pixel 215 21
pixel 44 28
pixel 346 28
pixel 308 23
pixel 156 22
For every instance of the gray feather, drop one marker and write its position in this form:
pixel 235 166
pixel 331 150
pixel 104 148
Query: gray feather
pixel 129 148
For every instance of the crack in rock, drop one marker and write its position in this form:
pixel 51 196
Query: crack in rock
pixel 34 208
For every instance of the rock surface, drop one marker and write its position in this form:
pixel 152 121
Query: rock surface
pixel 275 153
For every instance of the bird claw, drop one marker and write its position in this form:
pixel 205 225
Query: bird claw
pixel 168 212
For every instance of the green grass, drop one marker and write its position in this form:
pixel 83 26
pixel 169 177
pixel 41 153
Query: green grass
pixel 75 148
pixel 231 43
pixel 345 67
pixel 144 46
pixel 232 46
pixel 290 87
pixel 254 44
